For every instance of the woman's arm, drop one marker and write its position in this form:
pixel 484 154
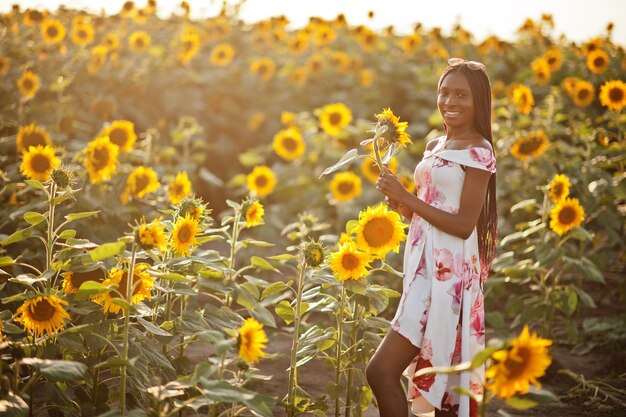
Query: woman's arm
pixel 459 224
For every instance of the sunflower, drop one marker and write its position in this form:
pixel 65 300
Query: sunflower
pixel 410 43
pixel 261 181
pixel 128 9
pixel 334 117
pixel 142 283
pixel 553 58
pixel 83 34
pixel 140 182
pixel 569 84
pixel 288 144
pixel 183 236
pixel 28 84
pixel 31 135
pixel 407 182
pixel 395 128
pixel 366 77
pixel 541 70
pixel 315 65
pixel 288 118
pixel 370 168
pixel 139 41
pixel 122 134
pixel 298 76
pixel 141 15
pixel 613 94
pixel 597 61
pixel 254 213
pixel 251 341
pixel 559 188
pixel 98 58
pixel 111 40
pixel 341 61
pixel 583 93
pixel 179 187
pixel 349 262
pixel 532 145
pixel 101 160
pixel 192 206
pixel 264 68
pixel 323 35
pixel 313 254
pixel 568 213
pixel 5 63
pixel 379 230
pixel 523 98
pixel 73 280
pixel 38 162
pixel 52 31
pixel 190 44
pixel 43 313
pixel 368 39
pixel 152 235
pixel 592 45
pixel 524 360
pixel 298 43
pixel 345 186
pixel 33 17
pixel 222 54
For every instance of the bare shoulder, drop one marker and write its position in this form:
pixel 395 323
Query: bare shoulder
pixel 484 143
pixel 432 143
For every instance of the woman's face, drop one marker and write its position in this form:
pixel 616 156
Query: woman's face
pixel 455 101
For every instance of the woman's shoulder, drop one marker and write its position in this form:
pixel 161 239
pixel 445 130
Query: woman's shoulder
pixel 430 145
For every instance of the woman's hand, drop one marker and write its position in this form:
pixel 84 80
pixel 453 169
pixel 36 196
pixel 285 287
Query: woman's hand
pixel 389 185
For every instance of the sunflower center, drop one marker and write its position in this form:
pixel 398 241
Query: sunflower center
pixel 141 183
pixel 118 137
pixel 177 189
pixel 28 84
pixel 184 234
pixel 261 181
pixel 567 215
pixel 551 60
pixel 290 144
pixel 345 187
pixel 583 94
pixel 82 34
pixel 34 139
pixel 530 145
pixel 43 310
pixel 123 283
pixel 101 158
pixel 334 118
pixel 349 261
pixel 616 95
pixel 187 45
pixel 252 212
pixel 40 163
pixel 516 368
pixel 35 16
pixel 378 232
pixel 599 62
pixel 558 189
pixel 52 31
pixel 263 69
pixel 139 43
pixel 78 278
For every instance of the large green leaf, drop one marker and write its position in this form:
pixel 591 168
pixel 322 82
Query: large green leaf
pixel 107 250
pixel 224 392
pixel 19 235
pixel 33 218
pixel 58 370
pixel 76 216
pixel 346 159
pixel 285 311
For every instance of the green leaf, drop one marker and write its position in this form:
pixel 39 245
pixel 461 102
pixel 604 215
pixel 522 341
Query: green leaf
pixel 107 250
pixel 67 234
pixel 483 355
pixel 35 184
pixel 58 370
pixel 171 276
pixel 283 257
pixel 33 218
pixel 347 158
pixel 285 311
pixel 224 392
pixel 523 204
pixel 61 198
pixel 76 216
pixel 591 271
pixel 89 289
pixel 263 316
pixel 262 264
pixel 254 242
pixel 6 261
pixel 274 288
pixel 19 235
pixel 150 327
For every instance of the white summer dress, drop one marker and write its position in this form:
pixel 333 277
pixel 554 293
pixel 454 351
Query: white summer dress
pixel 441 310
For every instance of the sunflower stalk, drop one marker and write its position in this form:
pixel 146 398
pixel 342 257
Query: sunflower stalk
pixel 129 290
pixel 339 344
pixel 293 376
pixel 50 234
pixel 353 342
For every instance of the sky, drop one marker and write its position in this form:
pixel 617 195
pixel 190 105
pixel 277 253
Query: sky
pixel 579 20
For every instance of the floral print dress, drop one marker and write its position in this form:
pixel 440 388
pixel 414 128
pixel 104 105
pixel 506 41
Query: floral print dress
pixel 441 309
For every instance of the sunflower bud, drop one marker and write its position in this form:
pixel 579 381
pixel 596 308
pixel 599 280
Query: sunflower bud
pixel 192 206
pixel 313 254
pixel 61 177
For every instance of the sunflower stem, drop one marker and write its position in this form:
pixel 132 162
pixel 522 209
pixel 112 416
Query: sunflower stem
pixel 353 341
pixel 129 289
pixel 50 234
pixel 339 345
pixel 379 160
pixel 293 376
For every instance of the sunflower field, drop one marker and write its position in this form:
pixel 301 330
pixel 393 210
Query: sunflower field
pixel 225 167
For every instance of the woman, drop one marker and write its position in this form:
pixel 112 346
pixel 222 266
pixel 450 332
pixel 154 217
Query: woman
pixel 449 248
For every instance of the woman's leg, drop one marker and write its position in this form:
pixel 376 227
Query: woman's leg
pixel 384 371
